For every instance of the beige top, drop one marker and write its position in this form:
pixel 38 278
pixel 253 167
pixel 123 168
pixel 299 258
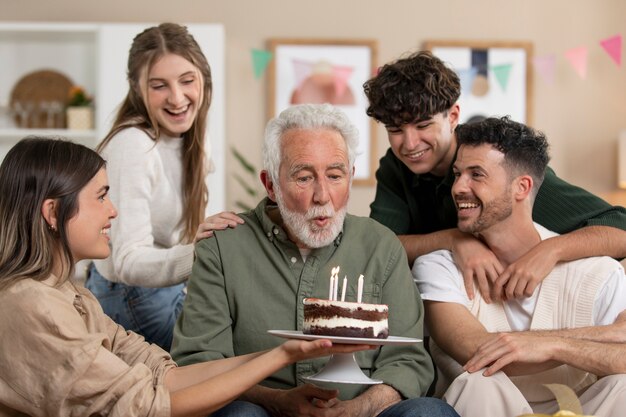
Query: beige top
pixel 60 355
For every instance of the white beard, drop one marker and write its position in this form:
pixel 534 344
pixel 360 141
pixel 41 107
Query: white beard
pixel 304 228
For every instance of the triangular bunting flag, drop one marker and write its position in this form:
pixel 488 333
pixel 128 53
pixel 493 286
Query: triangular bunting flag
pixel 613 47
pixel 578 58
pixel 545 67
pixel 466 77
pixel 502 73
pixel 260 59
pixel 301 70
pixel 341 75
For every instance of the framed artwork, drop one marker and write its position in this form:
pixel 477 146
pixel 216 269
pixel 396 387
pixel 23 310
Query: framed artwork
pixel 495 77
pixel 327 71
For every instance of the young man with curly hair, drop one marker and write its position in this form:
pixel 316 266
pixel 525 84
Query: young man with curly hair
pixel 416 99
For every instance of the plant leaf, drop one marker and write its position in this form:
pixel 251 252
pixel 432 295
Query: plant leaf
pixel 243 161
pixel 249 189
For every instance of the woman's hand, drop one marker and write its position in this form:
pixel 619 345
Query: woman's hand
pixel 298 350
pixel 218 221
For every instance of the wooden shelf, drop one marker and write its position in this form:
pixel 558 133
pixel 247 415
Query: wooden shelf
pixel 16 133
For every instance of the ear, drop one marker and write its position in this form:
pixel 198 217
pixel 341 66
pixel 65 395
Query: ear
pixel 523 186
pixel 454 113
pixel 268 184
pixel 49 212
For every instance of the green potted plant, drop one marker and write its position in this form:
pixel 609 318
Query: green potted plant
pixel 79 111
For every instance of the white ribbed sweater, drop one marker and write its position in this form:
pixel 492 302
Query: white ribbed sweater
pixel 146 187
pixel 565 300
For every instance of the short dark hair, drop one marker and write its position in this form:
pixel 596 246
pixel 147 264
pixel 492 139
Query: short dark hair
pixel 525 149
pixel 411 89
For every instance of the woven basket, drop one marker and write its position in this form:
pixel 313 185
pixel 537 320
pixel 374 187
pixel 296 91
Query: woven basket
pixel 36 92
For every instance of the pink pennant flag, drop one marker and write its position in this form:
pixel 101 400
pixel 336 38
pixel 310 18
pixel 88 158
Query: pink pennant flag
pixel 301 69
pixel 545 67
pixel 341 75
pixel 613 47
pixel 578 58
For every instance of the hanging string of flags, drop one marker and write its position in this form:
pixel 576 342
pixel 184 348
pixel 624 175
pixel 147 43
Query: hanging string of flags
pixel 260 61
pixel 577 58
pixel 544 64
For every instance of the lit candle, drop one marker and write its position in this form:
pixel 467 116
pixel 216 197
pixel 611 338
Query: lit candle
pixel 333 277
pixel 343 289
pixel 359 291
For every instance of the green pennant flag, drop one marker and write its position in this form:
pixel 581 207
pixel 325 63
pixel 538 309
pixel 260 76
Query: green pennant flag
pixel 502 73
pixel 260 59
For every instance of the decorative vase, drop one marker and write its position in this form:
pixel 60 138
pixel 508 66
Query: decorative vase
pixel 79 118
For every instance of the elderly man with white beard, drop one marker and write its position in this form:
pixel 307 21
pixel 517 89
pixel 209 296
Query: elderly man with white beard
pixel 253 278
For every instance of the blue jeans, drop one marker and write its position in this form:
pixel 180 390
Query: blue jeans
pixel 415 407
pixel 151 312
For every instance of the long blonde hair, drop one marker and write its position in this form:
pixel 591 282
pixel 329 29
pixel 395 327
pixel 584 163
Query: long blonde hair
pixel 147 48
pixel 34 170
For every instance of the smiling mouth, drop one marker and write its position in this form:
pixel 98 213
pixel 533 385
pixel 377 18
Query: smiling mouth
pixel 178 112
pixel 416 154
pixel 465 206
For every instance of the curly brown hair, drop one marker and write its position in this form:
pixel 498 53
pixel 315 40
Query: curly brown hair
pixel 411 89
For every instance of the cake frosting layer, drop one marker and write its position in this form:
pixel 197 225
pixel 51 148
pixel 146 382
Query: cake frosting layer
pixel 343 318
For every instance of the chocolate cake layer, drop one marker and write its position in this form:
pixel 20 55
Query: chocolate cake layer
pixel 327 312
pixel 347 332
pixel 345 319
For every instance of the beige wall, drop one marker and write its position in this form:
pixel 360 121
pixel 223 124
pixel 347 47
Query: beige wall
pixel 581 118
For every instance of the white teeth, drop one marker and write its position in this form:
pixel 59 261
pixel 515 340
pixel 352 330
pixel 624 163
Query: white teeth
pixel 416 154
pixel 176 112
pixel 468 205
pixel 104 231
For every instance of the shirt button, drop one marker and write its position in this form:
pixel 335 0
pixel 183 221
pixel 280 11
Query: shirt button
pixel 269 234
pixel 275 231
pixel 293 259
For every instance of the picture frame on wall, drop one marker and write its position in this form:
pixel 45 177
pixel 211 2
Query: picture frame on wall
pixel 327 71
pixel 496 77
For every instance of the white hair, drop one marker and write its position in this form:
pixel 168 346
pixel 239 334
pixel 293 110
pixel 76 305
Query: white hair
pixel 306 116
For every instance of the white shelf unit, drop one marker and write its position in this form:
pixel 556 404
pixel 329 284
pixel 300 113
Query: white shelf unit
pixel 94 56
pixel 67 48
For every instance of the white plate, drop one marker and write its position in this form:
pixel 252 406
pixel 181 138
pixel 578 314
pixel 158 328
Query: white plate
pixel 391 340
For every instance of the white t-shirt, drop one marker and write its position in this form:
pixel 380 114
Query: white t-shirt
pixel 439 279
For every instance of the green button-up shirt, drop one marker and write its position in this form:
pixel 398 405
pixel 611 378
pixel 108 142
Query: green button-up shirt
pixel 408 203
pixel 251 279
